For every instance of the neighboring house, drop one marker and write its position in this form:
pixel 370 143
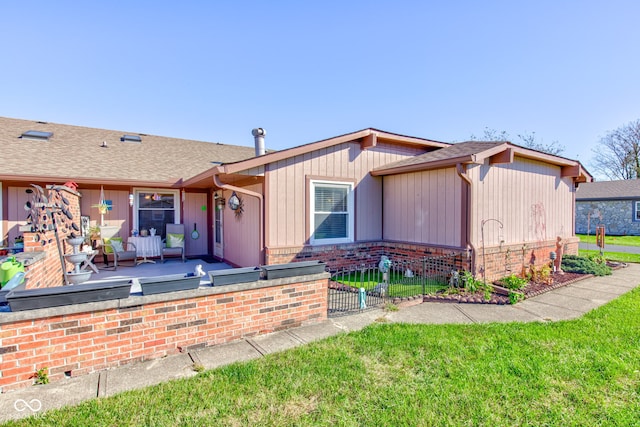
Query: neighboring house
pixel 615 204
pixel 344 200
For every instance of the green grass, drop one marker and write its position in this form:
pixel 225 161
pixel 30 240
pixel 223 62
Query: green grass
pixel 399 285
pixel 612 256
pixel 611 240
pixel 584 372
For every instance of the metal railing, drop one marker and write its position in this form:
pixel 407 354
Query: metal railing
pixel 357 288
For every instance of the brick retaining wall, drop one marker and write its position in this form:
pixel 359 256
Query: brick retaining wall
pixel 83 338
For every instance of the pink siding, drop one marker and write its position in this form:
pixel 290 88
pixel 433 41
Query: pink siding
pixel 424 207
pixel 118 216
pixel 286 189
pixel 241 245
pixel 530 198
pixel 16 215
pixel 193 213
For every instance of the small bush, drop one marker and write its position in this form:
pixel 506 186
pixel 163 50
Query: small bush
pixel 470 282
pixel 513 282
pixel 585 265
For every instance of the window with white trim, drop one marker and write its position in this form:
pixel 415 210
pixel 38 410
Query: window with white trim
pixel 156 209
pixel 331 212
pixel 637 211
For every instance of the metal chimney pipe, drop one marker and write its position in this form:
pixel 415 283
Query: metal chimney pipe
pixel 258 135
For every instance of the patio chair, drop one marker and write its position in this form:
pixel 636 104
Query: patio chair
pixel 115 245
pixel 174 242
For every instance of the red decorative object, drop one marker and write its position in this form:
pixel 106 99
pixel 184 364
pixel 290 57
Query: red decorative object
pixel 72 185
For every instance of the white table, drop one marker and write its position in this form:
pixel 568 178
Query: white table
pixel 149 246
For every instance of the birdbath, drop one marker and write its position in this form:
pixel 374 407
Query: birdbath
pixel 76 258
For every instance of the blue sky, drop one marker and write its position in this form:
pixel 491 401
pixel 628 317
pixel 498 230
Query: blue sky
pixel 213 70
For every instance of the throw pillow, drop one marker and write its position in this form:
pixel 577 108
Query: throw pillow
pixel 175 240
pixel 116 245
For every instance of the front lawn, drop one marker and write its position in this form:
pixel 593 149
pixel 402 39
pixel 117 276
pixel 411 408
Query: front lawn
pixel 584 372
pixel 612 256
pixel 399 285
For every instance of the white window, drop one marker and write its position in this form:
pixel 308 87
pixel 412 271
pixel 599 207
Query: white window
pixel 331 212
pixel 156 209
pixel 637 213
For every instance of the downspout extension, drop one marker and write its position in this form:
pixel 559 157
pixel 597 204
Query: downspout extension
pixel 462 173
pixel 219 184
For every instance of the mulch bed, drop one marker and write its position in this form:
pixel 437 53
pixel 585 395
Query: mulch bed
pixel 530 290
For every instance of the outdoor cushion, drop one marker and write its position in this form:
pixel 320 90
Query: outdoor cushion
pixel 110 240
pixel 116 245
pixel 175 240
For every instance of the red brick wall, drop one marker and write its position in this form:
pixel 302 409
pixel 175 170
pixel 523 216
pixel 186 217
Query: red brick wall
pixel 501 261
pixel 48 272
pixel 353 254
pixel 85 342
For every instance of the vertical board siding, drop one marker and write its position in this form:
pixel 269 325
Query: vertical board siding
pixel 529 197
pixel 286 192
pixel 194 214
pixel 424 207
pixel 118 216
pixel 242 234
pixel 16 215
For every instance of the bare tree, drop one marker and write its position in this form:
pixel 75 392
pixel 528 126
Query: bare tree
pixel 525 139
pixel 618 153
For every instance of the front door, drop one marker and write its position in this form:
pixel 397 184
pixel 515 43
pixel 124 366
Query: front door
pixel 217 229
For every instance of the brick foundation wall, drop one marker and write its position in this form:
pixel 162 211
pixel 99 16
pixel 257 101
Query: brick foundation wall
pixel 511 259
pixel 499 261
pixel 353 254
pixel 74 340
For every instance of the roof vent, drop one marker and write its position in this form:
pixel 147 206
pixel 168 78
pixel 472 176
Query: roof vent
pixel 36 135
pixel 130 138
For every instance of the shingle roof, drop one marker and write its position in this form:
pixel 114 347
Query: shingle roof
pixel 609 190
pixel 460 152
pixel 76 152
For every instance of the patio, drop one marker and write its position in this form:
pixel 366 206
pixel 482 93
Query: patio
pixel 158 268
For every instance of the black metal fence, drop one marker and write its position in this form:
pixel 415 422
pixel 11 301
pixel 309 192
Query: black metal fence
pixel 358 288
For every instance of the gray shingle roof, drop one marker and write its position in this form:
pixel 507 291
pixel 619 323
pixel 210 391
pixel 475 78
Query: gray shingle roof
pixel 76 152
pixel 611 190
pixel 455 151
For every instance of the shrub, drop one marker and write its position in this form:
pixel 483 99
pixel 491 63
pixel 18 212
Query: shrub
pixel 585 265
pixel 513 282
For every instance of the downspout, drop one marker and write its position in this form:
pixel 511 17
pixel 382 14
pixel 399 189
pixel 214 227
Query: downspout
pixel 219 184
pixel 462 173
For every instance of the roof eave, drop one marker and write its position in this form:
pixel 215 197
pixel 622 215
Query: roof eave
pixel 92 181
pixel 439 164
pixel 242 165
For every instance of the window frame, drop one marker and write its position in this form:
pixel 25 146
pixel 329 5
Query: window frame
pixel 313 183
pixel 636 210
pixel 176 204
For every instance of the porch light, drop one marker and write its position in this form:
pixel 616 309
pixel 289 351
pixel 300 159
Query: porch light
pixel 131 200
pixel 234 201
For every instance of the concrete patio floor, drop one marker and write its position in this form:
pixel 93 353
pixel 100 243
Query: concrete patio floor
pixel 171 266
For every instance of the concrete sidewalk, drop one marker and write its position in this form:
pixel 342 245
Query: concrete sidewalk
pixel 569 302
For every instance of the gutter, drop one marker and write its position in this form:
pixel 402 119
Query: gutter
pixel 219 184
pixel 462 173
